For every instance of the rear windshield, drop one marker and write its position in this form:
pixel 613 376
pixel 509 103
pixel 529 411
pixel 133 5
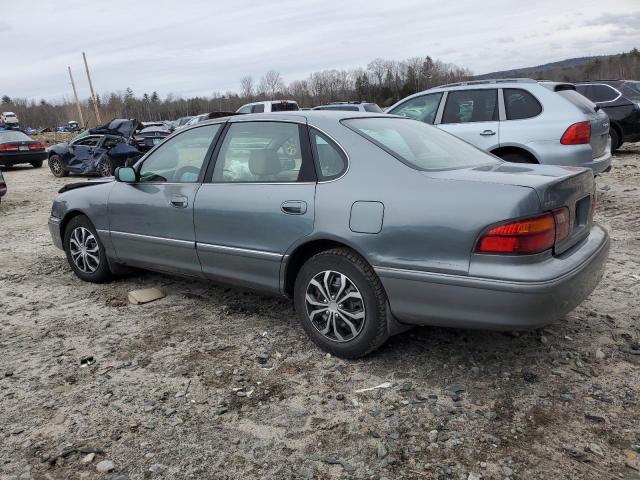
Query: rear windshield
pixel 284 106
pixel 13 136
pixel 419 145
pixel 583 103
pixel 631 90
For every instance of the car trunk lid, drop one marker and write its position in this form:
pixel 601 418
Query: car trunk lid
pixel 556 186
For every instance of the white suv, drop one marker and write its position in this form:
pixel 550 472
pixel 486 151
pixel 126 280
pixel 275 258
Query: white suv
pixel 269 106
pixel 9 119
pixel 519 120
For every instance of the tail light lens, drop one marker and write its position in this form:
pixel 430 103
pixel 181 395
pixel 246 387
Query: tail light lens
pixel 577 134
pixel 36 146
pixel 9 148
pixel 526 236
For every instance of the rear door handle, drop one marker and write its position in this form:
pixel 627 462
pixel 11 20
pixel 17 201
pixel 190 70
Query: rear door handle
pixel 294 207
pixel 487 133
pixel 179 201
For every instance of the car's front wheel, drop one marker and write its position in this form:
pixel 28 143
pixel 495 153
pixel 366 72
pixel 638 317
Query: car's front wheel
pixel 56 167
pixel 85 252
pixel 106 167
pixel 341 303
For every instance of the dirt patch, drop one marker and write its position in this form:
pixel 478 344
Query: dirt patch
pixel 214 382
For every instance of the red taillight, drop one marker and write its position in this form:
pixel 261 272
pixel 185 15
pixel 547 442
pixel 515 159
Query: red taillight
pixel 36 146
pixel 9 148
pixel 577 134
pixel 527 236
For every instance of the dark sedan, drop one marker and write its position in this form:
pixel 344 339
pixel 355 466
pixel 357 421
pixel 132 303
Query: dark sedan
pixel 150 136
pixel 18 148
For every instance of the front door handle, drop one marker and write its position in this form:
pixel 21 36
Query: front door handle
pixel 179 201
pixel 487 133
pixel 294 207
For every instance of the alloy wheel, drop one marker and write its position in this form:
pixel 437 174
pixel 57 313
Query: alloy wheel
pixel 56 166
pixel 104 169
pixel 84 250
pixel 335 306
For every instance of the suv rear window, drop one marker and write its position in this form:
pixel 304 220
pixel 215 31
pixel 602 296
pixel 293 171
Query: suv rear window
pixel 520 104
pixel 419 145
pixel 284 106
pixel 583 103
pixel 471 106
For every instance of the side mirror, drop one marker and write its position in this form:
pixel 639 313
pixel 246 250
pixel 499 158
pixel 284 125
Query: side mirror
pixel 126 175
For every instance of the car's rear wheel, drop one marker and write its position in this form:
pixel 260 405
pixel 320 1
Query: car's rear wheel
pixel 37 164
pixel 341 303
pixel 85 252
pixel 106 167
pixel 56 167
pixel 615 140
pixel 515 157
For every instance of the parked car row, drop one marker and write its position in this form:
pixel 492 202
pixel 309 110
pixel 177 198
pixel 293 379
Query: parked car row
pixel 370 223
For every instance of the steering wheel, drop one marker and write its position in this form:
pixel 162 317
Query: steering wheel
pixel 177 176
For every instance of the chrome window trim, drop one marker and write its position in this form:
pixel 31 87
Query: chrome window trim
pixel 256 183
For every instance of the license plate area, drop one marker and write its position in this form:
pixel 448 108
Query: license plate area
pixel 24 148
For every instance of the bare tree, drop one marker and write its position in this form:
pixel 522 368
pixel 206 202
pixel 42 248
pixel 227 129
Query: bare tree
pixel 271 83
pixel 246 86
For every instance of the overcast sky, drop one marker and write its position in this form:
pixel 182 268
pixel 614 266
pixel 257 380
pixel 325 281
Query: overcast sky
pixel 190 47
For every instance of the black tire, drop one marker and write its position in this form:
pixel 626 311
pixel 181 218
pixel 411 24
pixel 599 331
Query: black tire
pixel 95 272
pixel 37 164
pixel 106 168
pixel 514 157
pixel 615 140
pixel 373 331
pixel 56 167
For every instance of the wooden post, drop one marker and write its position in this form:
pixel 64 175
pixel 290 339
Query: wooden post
pixel 93 95
pixel 75 94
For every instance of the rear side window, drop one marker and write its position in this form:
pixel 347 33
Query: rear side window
pixel 257 108
pixel 284 107
pixel 465 106
pixel 583 103
pixel 419 146
pixel 423 108
pixel 602 93
pixel 520 104
pixel 331 160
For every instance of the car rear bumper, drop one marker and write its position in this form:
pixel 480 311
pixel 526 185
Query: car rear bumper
pixel 423 298
pixel 54 230
pixel 553 153
pixel 22 157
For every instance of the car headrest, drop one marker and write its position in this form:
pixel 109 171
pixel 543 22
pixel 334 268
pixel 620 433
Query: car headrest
pixel 264 162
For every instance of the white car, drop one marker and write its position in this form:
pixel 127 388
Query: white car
pixel 269 106
pixel 9 119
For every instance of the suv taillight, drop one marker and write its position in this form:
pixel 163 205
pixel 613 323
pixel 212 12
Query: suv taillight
pixel 526 236
pixel 577 134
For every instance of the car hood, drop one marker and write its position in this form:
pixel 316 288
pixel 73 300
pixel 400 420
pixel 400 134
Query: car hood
pixel 88 183
pixel 118 126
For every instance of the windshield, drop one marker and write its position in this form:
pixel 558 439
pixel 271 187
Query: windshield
pixel 631 90
pixel 13 136
pixel 418 145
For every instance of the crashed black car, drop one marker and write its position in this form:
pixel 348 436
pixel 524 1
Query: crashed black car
pixel 98 150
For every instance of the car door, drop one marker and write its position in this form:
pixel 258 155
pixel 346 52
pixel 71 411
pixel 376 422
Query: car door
pixel 472 115
pixel 258 202
pixel 81 152
pixel 151 221
pixel 422 107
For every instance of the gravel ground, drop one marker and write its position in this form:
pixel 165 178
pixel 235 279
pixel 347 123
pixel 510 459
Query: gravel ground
pixel 214 382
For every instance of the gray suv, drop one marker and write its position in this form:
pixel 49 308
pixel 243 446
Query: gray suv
pixel 519 120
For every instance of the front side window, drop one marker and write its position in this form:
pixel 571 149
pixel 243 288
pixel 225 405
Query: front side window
pixel 245 109
pixel 110 142
pixel 332 161
pixel 422 108
pixel 418 145
pixel 257 108
pixel 88 142
pixel 261 152
pixel 465 106
pixel 631 90
pixel 520 104
pixel 179 159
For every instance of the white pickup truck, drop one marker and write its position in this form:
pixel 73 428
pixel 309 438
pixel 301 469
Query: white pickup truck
pixel 9 119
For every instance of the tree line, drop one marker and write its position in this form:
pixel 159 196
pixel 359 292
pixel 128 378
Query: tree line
pixel 381 81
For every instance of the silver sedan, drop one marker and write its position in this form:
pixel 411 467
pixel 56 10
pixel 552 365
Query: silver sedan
pixel 371 223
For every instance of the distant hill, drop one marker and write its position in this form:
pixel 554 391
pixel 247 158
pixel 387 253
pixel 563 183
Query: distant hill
pixel 624 65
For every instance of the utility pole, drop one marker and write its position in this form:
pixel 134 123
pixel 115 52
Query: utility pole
pixel 75 94
pixel 93 95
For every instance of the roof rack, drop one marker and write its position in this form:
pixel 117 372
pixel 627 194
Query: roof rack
pixel 489 80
